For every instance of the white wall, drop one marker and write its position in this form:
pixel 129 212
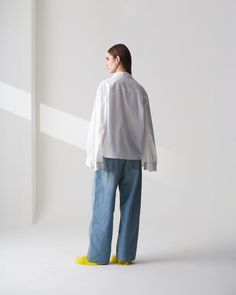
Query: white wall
pixel 183 54
pixel 16 192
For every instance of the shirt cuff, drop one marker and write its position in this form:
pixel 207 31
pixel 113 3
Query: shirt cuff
pixel 88 163
pixel 150 166
pixel 94 166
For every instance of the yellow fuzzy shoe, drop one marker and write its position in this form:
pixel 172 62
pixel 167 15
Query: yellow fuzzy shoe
pixel 84 260
pixel 114 260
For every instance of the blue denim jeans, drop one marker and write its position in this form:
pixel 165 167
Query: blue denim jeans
pixel 127 174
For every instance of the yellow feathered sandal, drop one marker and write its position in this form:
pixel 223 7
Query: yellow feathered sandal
pixel 84 261
pixel 114 260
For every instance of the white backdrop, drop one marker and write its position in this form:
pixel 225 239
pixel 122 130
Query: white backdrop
pixel 52 58
pixel 183 56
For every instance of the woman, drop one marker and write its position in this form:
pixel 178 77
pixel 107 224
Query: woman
pixel 120 142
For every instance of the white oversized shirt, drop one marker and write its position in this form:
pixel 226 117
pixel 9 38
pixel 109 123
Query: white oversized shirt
pixel 121 124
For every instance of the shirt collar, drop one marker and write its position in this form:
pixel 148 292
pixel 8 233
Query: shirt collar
pixel 121 73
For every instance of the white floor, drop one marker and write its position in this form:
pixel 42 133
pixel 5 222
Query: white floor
pixel 39 259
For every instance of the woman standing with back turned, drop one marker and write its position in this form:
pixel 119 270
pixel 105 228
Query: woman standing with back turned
pixel 120 142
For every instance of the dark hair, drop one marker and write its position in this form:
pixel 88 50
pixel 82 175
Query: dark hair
pixel 123 52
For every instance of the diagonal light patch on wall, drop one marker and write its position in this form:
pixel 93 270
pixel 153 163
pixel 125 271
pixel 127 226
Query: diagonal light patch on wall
pixel 15 100
pixel 63 126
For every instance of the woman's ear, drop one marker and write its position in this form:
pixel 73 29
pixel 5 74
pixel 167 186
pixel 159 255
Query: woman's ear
pixel 117 59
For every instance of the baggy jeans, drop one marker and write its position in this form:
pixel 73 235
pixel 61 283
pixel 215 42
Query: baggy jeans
pixel 127 174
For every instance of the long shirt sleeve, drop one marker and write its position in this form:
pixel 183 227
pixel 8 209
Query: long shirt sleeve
pixel 97 129
pixel 149 156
